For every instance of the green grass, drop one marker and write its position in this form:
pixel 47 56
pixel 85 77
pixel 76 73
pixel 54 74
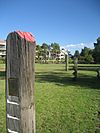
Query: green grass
pixel 2 107
pixel 62 105
pixel 2 66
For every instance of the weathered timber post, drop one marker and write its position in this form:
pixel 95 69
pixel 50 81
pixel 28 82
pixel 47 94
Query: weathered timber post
pixel 75 68
pixel 66 58
pixel 20 109
pixel 98 74
pixel 66 62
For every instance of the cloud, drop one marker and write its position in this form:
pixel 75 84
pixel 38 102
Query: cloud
pixel 78 46
pixel 70 45
pixel 81 44
pixel 75 45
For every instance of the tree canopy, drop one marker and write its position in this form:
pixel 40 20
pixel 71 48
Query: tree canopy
pixel 96 53
pixel 52 52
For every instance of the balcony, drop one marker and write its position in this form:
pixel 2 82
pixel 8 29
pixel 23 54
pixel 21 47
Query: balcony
pixel 2 48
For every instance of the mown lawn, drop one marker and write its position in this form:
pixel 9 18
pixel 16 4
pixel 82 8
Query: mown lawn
pixel 62 105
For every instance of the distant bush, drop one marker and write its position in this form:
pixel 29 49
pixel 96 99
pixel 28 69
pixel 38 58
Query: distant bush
pixel 56 61
pixel 2 60
pixel 70 61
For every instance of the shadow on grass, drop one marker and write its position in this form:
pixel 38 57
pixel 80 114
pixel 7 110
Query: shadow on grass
pixel 67 79
pixel 60 78
pixel 2 75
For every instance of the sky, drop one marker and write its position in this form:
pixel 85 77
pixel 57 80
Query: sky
pixel 73 24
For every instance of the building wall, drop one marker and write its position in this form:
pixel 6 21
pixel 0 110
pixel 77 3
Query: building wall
pixel 2 48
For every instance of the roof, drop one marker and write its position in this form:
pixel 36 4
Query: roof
pixel 2 42
pixel 26 35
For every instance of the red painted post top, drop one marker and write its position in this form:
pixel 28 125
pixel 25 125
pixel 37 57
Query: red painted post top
pixel 26 35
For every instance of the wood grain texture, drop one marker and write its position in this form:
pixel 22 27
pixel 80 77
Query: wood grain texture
pixel 66 62
pixel 20 66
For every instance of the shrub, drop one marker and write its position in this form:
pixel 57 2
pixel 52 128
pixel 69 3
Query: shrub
pixel 2 60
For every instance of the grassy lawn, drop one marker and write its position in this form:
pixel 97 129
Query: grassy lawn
pixel 2 107
pixel 62 105
pixel 2 66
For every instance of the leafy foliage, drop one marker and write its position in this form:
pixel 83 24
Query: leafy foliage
pixel 86 55
pixel 46 52
pixel 77 54
pixel 97 51
pixel 55 49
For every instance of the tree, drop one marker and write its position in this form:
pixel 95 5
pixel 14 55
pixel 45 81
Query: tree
pixel 55 49
pixel 38 52
pixel 86 55
pixel 45 51
pixel 77 54
pixel 85 52
pixel 96 53
pixel 89 59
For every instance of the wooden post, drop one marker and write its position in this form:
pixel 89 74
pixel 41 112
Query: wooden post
pixel 75 68
pixel 20 109
pixel 66 62
pixel 98 74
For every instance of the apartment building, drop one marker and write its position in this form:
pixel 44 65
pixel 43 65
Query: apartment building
pixel 2 48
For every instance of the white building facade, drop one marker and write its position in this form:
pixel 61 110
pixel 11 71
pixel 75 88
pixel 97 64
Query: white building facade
pixel 2 48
